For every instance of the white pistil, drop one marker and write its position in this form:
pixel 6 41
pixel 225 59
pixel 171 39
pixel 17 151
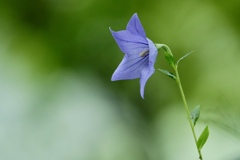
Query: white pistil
pixel 144 53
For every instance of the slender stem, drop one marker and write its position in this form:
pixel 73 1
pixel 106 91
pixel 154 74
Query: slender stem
pixel 187 110
pixel 170 59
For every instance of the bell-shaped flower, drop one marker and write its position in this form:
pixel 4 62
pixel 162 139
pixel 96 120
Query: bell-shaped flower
pixel 140 53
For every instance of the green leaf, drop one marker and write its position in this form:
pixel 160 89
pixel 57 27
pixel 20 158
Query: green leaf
pixel 195 114
pixel 203 138
pixel 169 74
pixel 184 57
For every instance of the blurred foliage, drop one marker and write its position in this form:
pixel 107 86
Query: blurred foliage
pixel 57 100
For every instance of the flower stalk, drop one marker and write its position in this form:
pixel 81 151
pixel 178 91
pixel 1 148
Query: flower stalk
pixel 187 110
pixel 170 59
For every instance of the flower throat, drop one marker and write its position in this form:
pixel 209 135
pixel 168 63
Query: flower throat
pixel 144 53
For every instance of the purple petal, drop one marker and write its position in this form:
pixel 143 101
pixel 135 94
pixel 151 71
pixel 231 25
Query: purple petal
pixel 135 27
pixel 152 53
pixel 131 67
pixel 129 43
pixel 148 71
pixel 145 74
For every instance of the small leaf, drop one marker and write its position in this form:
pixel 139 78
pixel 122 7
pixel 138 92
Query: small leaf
pixel 184 57
pixel 203 138
pixel 195 114
pixel 169 74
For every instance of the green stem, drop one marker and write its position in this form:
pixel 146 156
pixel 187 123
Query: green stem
pixel 187 110
pixel 170 59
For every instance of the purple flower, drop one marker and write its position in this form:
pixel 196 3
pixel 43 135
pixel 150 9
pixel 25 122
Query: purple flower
pixel 140 53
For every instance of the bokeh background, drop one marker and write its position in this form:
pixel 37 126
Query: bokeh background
pixel 57 101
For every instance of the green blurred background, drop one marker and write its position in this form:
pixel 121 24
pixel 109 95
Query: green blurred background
pixel 57 101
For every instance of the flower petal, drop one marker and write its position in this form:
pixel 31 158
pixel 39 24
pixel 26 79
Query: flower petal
pixel 152 53
pixel 135 27
pixel 148 71
pixel 145 74
pixel 131 67
pixel 129 43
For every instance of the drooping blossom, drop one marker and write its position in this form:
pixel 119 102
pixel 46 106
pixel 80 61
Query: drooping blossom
pixel 139 53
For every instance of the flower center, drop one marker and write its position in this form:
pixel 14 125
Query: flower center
pixel 144 53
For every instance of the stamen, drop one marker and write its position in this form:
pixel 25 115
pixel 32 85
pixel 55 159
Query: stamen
pixel 144 53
